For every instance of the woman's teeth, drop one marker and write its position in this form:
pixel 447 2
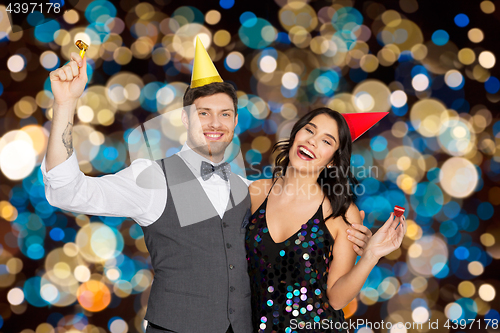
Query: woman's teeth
pixel 307 152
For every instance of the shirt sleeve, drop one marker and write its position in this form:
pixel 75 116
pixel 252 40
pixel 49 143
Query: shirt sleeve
pixel 138 191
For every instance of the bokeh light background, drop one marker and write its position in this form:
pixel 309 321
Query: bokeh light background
pixel 431 64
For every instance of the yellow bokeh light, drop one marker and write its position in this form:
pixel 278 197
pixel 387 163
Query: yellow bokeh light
pixel 71 16
pixel 14 265
pixel 222 38
pixel 413 231
pixel 212 17
pixel 466 56
pixel 487 292
pixel 475 35
pixel 62 270
pixel 466 289
pixel 415 250
pixel 476 268
pixel 487 7
pixel 419 51
pixel 404 163
pixel 419 284
pixel 487 59
pixel 487 239
pixel 369 63
pixel 45 328
pixel 105 117
pixel 85 113
pixel 298 14
pixel 15 296
pixel 480 73
pixel 428 115
pixel 458 177
pixel 261 143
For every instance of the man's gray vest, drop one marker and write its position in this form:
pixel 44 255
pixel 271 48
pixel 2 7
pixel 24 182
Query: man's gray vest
pixel 201 282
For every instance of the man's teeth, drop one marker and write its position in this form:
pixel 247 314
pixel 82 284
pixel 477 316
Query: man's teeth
pixel 307 152
pixel 214 135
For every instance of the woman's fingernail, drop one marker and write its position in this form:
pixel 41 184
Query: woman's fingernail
pixel 348 231
pixel 349 237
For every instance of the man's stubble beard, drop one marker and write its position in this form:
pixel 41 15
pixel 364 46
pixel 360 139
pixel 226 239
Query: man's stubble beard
pixel 210 150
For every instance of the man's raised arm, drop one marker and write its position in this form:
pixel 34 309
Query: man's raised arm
pixel 68 188
pixel 68 83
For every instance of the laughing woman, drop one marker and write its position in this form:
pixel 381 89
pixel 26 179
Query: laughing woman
pixel 301 260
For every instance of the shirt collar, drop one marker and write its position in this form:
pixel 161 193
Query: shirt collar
pixel 193 158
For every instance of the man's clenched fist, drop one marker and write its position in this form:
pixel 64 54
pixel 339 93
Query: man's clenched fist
pixel 68 82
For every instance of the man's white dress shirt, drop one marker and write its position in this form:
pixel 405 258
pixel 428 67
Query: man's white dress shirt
pixel 68 188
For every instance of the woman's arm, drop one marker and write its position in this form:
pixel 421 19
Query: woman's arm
pixel 344 258
pixel 345 279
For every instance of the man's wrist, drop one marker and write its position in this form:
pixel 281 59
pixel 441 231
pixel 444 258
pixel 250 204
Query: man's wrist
pixel 64 112
pixel 65 104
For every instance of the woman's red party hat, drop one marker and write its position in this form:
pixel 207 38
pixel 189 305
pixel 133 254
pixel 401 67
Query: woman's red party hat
pixel 359 123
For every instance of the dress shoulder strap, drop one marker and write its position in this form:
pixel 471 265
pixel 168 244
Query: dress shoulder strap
pixel 274 182
pixel 323 200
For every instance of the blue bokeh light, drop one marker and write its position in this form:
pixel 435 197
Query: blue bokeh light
pixel 440 37
pixel 226 4
pixel 492 85
pixel 461 20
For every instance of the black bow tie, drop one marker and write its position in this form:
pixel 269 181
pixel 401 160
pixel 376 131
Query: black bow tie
pixel 223 170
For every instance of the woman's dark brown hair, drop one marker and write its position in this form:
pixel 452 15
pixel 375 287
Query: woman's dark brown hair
pixel 331 181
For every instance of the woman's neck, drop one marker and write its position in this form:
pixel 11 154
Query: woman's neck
pixel 296 183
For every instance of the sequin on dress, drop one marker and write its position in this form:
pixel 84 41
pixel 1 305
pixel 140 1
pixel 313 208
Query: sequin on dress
pixel 289 279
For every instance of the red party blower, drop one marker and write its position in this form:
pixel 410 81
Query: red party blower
pixel 398 211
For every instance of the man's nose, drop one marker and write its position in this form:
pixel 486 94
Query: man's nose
pixel 214 121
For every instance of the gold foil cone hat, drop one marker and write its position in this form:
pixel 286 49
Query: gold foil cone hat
pixel 204 71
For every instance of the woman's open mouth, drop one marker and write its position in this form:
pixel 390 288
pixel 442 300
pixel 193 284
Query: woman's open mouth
pixel 305 153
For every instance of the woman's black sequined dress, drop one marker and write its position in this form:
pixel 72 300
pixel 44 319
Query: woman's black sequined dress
pixel 289 279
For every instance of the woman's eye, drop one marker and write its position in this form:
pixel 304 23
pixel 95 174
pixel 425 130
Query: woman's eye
pixel 327 142
pixel 307 129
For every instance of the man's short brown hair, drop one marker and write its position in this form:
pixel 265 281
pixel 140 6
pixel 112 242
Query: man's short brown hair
pixel 193 94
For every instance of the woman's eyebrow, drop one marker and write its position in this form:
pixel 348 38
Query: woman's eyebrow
pixel 314 125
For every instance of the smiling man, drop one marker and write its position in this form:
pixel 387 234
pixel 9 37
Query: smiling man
pixel 192 219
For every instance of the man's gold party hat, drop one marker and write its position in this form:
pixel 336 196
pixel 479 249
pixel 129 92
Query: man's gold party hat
pixel 204 71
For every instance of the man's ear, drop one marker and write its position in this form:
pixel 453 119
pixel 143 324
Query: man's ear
pixel 236 120
pixel 185 118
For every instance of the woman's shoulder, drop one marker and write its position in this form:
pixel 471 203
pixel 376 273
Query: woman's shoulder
pixel 336 224
pixel 260 186
pixel 258 192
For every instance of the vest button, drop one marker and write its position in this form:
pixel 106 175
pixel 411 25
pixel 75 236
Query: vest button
pixel 231 310
pixel 224 224
pixel 231 288
pixel 231 266
pixel 228 245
